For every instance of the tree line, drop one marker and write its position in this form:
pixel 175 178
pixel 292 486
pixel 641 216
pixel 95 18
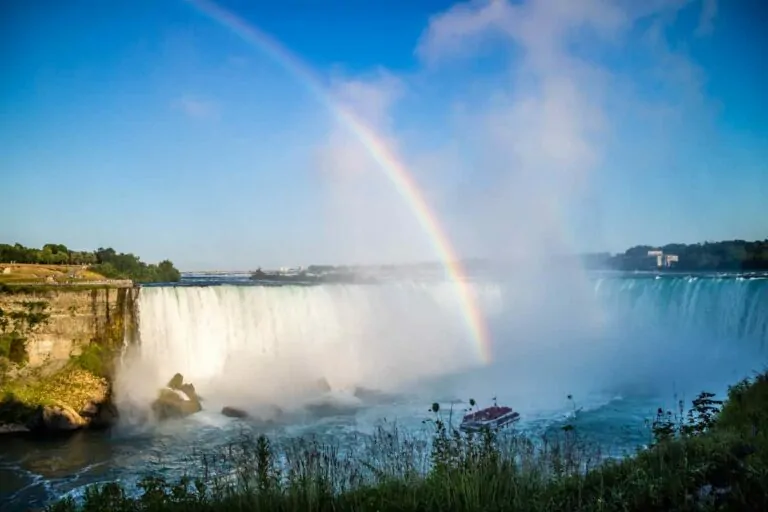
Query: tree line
pixel 107 262
pixel 729 255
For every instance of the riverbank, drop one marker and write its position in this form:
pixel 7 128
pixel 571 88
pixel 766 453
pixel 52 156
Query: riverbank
pixel 710 458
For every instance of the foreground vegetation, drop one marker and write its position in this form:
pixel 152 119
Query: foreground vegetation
pixel 101 263
pixel 713 458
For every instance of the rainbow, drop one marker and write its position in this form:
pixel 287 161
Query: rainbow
pixel 374 144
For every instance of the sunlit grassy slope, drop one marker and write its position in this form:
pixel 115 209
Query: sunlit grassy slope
pixel 32 273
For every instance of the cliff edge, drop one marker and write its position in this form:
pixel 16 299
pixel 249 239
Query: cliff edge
pixel 57 348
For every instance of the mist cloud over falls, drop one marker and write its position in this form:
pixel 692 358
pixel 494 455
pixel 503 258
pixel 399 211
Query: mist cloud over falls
pixel 537 117
pixel 512 124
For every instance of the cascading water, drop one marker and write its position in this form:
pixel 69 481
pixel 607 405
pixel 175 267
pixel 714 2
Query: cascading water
pixel 689 331
pixel 725 308
pixel 268 343
pixel 256 344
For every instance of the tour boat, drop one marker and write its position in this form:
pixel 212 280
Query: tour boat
pixel 490 417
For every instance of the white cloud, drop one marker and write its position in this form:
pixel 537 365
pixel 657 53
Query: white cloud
pixel 540 27
pixel 457 31
pixel 196 107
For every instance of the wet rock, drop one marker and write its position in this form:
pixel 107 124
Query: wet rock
pixel 58 418
pixel 105 417
pixel 177 400
pixel 12 428
pixel 176 381
pixel 370 395
pixel 234 412
pixel 189 390
pixel 322 385
pixel 328 408
pixel 90 410
pixel 100 412
pixel 169 404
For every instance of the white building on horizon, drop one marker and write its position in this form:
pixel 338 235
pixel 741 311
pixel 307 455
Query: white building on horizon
pixel 663 260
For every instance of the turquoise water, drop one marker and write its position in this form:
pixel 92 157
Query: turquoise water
pixel 621 344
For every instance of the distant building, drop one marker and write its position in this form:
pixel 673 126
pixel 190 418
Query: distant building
pixel 663 260
pixel 659 255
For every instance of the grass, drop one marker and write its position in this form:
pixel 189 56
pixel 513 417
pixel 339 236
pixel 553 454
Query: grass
pixel 38 273
pixel 13 346
pixel 713 458
pixel 94 359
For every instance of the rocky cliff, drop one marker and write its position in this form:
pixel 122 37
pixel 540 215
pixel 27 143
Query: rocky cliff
pixel 57 346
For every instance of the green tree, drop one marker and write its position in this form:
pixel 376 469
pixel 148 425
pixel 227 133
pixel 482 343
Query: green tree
pixel 106 261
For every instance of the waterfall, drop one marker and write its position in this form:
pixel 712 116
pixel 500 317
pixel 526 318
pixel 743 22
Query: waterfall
pixel 264 343
pixel 271 342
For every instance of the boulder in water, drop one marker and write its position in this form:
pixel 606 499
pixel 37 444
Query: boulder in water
pixel 170 404
pixel 13 428
pixel 90 410
pixel 58 418
pixel 100 415
pixel 328 408
pixel 177 400
pixel 334 404
pixel 372 396
pixel 234 412
pixel 322 385
pixel 176 381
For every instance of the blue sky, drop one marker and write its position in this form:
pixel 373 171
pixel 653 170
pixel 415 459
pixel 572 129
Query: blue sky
pixel 593 125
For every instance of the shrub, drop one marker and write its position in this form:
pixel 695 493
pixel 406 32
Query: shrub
pixel 13 346
pixel 93 359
